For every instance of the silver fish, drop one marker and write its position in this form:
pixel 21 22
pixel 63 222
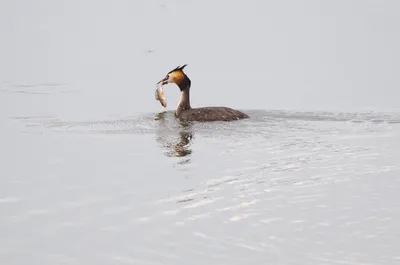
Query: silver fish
pixel 159 94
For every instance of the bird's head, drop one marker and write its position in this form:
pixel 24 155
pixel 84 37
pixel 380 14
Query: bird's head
pixel 174 76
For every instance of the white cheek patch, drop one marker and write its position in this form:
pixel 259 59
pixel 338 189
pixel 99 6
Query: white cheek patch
pixel 170 79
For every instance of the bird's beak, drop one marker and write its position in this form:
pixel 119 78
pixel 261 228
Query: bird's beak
pixel 163 81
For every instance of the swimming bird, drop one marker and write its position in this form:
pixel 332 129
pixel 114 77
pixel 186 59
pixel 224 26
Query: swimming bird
pixel 186 113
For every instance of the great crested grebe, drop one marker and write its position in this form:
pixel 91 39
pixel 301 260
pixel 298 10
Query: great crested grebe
pixel 186 113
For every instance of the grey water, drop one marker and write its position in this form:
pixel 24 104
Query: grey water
pixel 94 171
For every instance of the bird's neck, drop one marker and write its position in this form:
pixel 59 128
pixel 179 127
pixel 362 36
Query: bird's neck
pixel 184 102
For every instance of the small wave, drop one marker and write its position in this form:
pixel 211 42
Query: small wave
pixel 261 122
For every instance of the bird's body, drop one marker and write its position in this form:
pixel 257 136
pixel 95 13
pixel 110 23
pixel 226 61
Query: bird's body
pixel 211 114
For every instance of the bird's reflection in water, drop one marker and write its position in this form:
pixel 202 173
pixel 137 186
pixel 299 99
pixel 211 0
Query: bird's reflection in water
pixel 174 136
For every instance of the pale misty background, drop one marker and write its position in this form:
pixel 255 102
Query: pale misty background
pixel 302 55
pixel 89 176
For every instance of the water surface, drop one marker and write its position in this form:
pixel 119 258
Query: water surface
pixel 284 187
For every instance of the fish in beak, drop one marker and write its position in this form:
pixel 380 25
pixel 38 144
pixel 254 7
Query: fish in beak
pixel 159 94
